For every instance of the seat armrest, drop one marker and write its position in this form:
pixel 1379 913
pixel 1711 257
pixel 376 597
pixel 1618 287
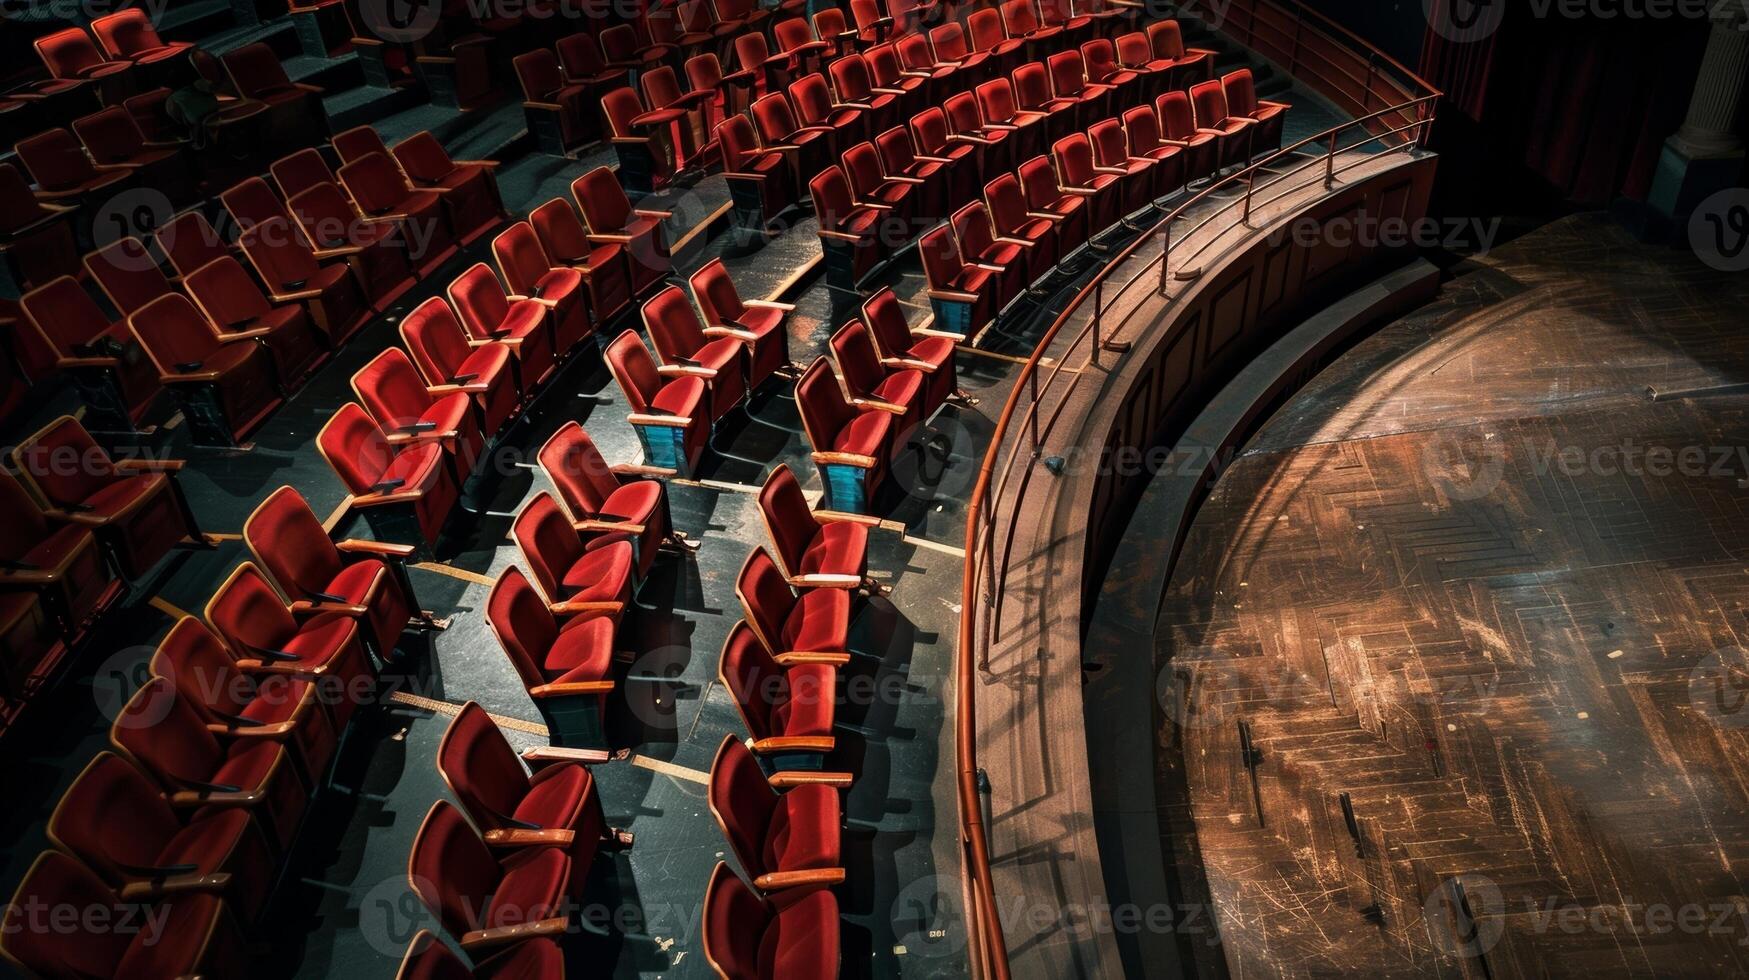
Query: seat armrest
pixel 809 777
pixel 800 658
pixel 825 580
pixel 845 459
pixel 570 688
pixel 793 879
pixel 519 837
pixel 492 938
pixel 839 516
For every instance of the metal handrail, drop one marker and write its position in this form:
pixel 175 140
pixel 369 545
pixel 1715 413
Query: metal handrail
pixel 985 934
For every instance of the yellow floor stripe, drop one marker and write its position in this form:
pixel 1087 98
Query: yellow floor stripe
pixel 453 572
pixel 167 607
pixel 803 271
pixel 223 536
pixel 450 710
pixel 946 549
pixel 700 228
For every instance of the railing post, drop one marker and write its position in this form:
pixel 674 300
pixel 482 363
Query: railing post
pixel 1330 162
pixel 1165 253
pixel 1250 181
pixel 1032 409
pixel 1098 314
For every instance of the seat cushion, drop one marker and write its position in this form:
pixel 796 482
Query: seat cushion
pixel 809 709
pixel 174 948
pixel 804 830
pixel 414 466
pixel 802 940
pixel 555 796
pixel 583 650
pixel 900 387
pixel 321 638
pixel 866 435
pixel 635 501
pixel 207 842
pixel 819 622
pixel 113 497
pixel 679 397
pixel 534 880
pixel 525 317
pixel 603 574
pixel 840 548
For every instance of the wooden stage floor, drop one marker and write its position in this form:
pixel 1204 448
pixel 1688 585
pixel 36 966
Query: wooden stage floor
pixel 1477 602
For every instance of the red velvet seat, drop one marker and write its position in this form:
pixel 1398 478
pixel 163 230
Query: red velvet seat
pixel 851 447
pixel 233 303
pixel 719 97
pixel 514 807
pixel 128 275
pixel 581 61
pixel 612 220
pixel 36 238
pixel 578 569
pixel 565 665
pixel 204 773
pixel 672 416
pixel 1201 149
pixel 919 65
pixel 31 640
pixel 758 70
pixel 383 194
pixel 469 188
pixel 1046 198
pixel 59 564
pixel 1069 84
pixel 853 88
pixel 524 266
pixel 889 75
pixel 159 852
pixel 1009 220
pixel 898 348
pixel 530 959
pixel 646 142
pixel 294 109
pixel 966 121
pixel 759 326
pixel 814 549
pixel 112 139
pixel 623 48
pixel 936 144
pixel 377 251
pixel 1111 155
pixel 742 14
pixel 931 179
pixel 134 506
pixel 953 48
pixel 685 115
pixel 1142 139
pixel 487 899
pixel 896 195
pixel 250 705
pixel 603 503
pixel 267 636
pixel 404 489
pixel 489 314
pixel 870 384
pixel 1133 54
pixel 298 172
pixel 806 149
pixel 832 27
pixel 873 25
pixel 987 36
pixel 760 182
pixel 61 170
pixel 965 297
pixel 1073 157
pixel 447 360
pixel 797 48
pixel 1065 14
pixel 188 241
pixel 1185 64
pixel 1032 95
pixel 1242 102
pixel 251 202
pixel 130 35
pixel 783 840
pixel 1100 57
pixel 851 234
pixel 1238 136
pixel 788 710
pixel 392 390
pixel 1000 111
pixel 228 384
pixel 565 241
pixel 195 935
pixel 71 54
pixel 844 124
pixel 685 350
pixel 792 934
pixel 561 114
pixel 116 379
pixel 366 580
pixel 288 265
pixel 808 621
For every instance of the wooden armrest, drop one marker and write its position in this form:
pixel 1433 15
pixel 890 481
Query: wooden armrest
pixel 555 753
pixel 570 688
pixel 840 516
pixel 490 938
pixel 953 295
pixel 143 464
pixel 807 777
pixel 144 891
pixel 745 336
pixel 385 549
pixel 769 304
pixel 825 580
pixel 521 837
pixel 594 525
pixel 685 371
pixel 578 608
pixel 795 743
pixel 877 405
pixel 673 421
pixel 792 879
pixel 845 459
pixel 797 658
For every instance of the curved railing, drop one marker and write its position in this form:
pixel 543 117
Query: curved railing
pixel 1398 126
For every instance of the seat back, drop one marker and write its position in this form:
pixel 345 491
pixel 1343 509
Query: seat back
pixel 753 679
pixel 735 919
pixel 789 521
pixel 774 117
pixel 896 151
pixel 828 24
pixel 289 542
pixel 791 34
pixel 68 53
pixel 620 44
pixel 64 315
pixel 225 292
pixel 436 340
pixel 1032 87
pixel 127 274
pixel 358 143
pixel 562 235
pixel 164 735
pixel 537 71
pixel 858 364
pixel 985 27
pixel 751 51
pixel 174 333
pixel 602 201
pixel 521 260
pixel 390 388
pixel 481 768
pixel 248 613
pixel 453 871
pixel 930 129
pixel 1132 50
pixel 355 447
pixel 1100 57
pixel 1167 39
pixel 479 300
pixel 1007 204
pixel 1177 118
pixel 252 202
pixel 64 464
pixel 743 803
pixel 717 297
pixel 963 114
pixel 580 55
pixel 1018 18
pixel 822 406
pixel 703 72
pixel 1109 148
pixel 255 70
pixel 111 137
pixel 55 160
pixel 1208 102
pixel 739 142
pixel 949 41
pixel 833 202
pixel 522 623
pixel 548 542
pixel 1073 155
pixel 375 183
pixel 862 166
pixel 1141 129
pixel 189 241
pixel 201 669
pixel 126 32
pixel 324 215
pixel 58 881
pixel 630 363
pixel 88 821
pixel 884 68
pixel 299 172
pixel 423 157
pixel 941 257
pixel 428 958
pixel 813 100
pixel 280 255
pixel 850 76
pixel 1068 74
pixel 661 87
pixel 578 470
pixel 884 316
pixel 766 599
pixel 996 100
pixel 1240 92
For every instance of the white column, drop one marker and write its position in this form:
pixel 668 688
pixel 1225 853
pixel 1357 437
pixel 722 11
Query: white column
pixel 1714 121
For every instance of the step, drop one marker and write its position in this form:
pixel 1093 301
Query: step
pixel 368 104
pixel 278 34
pixel 333 75
pixel 196 20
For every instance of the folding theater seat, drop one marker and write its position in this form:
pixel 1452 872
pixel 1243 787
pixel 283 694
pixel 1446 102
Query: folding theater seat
pixel 1184 65
pixel 966 121
pixel 202 771
pixel 693 142
pixel 900 163
pixel 671 416
pixel 685 350
pixel 565 665
pixel 660 35
pixel 1141 129
pixel 392 390
pixel 918 64
pixel 1023 26
pixel 898 349
pixel 581 63
pixel 1046 198
pixel 284 708
pixel 873 26
pixel 531 275
pixel 792 934
pixel 58 164
pixel 960 158
pixel 525 325
pixel 807 149
pixel 851 234
pixel 1077 24
pixel 760 183
pixel 36 238
pixel 851 447
pixel 810 621
pixel 741 15
pixel 529 959
pixel 196 935
pixel 1235 135
pixel 757 325
pixel 815 549
pixel 405 490
pixel 797 48
pixel 365 580
pixel 699 26
pixel 622 48
pixel 1024 129
pixel 889 76
pixel 557 804
pixel 987 36
pixel 231 301
pixel 1202 148
pixel 1069 84
pixel 488 899
pixel 1243 103
pixel 899 391
pixel 382 193
pixel 127 274
pixel 782 839
pixel 953 49
pixel 1013 224
pixel 376 250
pixel 1032 93
pixel 55 568
pixel 845 125
pixel 564 241
pixel 581 569
pixel 853 86
pixel 612 220
pixel 562 114
pixel 71 54
pixel 286 262
pixel 607 505
pixel 188 241
pixel 113 140
pixel 788 708
pixel 1100 57
pixel 1134 55
pixel 1111 155
pixel 158 852
pixel 1073 156
pixel 722 97
pixel 832 27
pixel 759 69
pixel 115 378
pixel 299 171
pixel 450 362
pixel 965 298
pixel 227 386
pixel 129 35
pixel 251 202
pixel 295 110
pixel 910 15
pixel 872 187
